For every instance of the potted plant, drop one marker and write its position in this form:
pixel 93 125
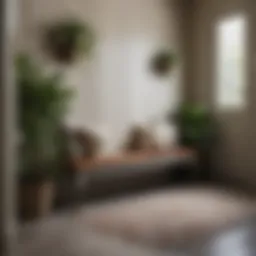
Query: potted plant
pixel 198 130
pixel 67 39
pixel 163 62
pixel 42 104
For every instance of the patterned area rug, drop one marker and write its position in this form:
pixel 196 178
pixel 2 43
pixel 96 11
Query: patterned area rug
pixel 164 223
pixel 170 218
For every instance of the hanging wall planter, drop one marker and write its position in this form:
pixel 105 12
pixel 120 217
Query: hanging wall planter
pixel 68 39
pixel 163 62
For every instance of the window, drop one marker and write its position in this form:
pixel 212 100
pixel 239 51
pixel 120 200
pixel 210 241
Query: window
pixel 231 63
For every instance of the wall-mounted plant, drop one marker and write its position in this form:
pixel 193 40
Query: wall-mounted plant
pixel 163 62
pixel 67 39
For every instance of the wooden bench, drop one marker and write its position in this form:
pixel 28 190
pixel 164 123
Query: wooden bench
pixel 126 172
pixel 135 158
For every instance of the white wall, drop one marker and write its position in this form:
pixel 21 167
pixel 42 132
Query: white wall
pixel 114 88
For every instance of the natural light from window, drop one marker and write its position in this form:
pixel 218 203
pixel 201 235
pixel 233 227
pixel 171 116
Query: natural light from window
pixel 231 63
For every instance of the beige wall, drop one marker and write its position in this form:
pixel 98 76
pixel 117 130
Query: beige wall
pixel 235 154
pixel 114 88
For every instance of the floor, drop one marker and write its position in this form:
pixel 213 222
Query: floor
pixel 172 221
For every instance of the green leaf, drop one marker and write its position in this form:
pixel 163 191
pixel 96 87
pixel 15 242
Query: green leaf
pixel 43 101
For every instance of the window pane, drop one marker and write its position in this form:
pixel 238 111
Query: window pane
pixel 231 63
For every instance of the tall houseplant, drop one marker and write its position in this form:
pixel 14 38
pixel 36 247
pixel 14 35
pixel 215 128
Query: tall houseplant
pixel 198 130
pixel 42 104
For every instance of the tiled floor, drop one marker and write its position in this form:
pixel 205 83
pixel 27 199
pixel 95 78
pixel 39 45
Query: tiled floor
pixel 141 225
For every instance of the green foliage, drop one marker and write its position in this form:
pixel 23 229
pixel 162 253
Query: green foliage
pixel 68 38
pixel 163 62
pixel 167 55
pixel 196 124
pixel 42 104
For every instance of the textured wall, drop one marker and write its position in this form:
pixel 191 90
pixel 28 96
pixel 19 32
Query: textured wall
pixel 114 88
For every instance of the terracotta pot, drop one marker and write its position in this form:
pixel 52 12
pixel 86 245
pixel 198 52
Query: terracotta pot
pixel 36 199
